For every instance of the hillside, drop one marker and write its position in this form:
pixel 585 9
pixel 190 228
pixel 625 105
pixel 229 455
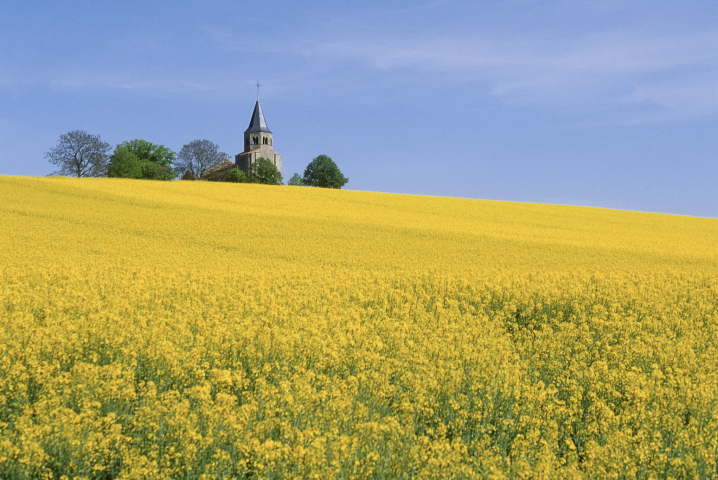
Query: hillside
pixel 177 329
pixel 193 225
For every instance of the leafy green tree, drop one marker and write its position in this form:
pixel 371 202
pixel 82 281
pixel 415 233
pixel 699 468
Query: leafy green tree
pixel 265 172
pixel 80 154
pixel 125 164
pixel 236 176
pixel 323 172
pixel 155 161
pixel 296 181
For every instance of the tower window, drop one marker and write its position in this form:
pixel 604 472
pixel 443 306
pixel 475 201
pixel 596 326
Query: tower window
pixel 264 141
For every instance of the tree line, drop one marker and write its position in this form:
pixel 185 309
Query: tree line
pixel 81 154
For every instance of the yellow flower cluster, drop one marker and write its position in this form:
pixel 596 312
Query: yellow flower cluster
pixel 201 330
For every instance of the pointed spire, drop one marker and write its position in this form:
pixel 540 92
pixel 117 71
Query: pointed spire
pixel 257 124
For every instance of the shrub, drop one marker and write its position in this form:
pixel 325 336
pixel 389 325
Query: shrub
pixel 236 176
pixel 265 172
pixel 296 181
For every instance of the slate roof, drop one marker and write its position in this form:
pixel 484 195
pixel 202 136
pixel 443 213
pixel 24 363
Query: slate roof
pixel 257 124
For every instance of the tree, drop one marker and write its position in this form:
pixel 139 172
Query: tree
pixel 296 181
pixel 197 156
pixel 142 159
pixel 124 164
pixel 323 172
pixel 236 176
pixel 265 172
pixel 80 154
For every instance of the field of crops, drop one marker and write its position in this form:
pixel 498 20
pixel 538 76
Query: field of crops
pixel 205 330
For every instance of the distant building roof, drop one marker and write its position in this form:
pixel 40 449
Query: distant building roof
pixel 226 163
pixel 257 124
pixel 217 172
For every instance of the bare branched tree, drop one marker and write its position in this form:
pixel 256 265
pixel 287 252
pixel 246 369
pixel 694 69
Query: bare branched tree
pixel 80 154
pixel 198 156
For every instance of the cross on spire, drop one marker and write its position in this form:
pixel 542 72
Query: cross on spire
pixel 257 89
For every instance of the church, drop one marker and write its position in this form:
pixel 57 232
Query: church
pixel 257 144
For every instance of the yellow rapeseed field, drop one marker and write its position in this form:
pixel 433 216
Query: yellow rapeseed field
pixel 203 330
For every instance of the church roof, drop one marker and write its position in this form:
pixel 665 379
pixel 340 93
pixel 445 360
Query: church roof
pixel 257 124
pixel 251 151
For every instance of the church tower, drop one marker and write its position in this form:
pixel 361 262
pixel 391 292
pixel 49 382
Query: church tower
pixel 257 143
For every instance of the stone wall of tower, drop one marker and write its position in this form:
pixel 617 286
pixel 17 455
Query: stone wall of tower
pixel 277 161
pixel 242 162
pixel 256 139
pixel 246 159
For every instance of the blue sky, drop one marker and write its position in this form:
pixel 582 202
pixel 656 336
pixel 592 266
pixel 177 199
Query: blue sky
pixel 611 104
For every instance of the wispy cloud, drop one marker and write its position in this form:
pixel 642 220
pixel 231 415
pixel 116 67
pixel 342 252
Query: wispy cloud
pixel 638 76
pixel 141 82
pixel 678 73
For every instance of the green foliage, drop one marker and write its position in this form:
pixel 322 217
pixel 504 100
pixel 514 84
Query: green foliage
pixel 144 150
pixel 124 164
pixel 265 172
pixel 296 181
pixel 323 172
pixel 236 176
pixel 142 159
